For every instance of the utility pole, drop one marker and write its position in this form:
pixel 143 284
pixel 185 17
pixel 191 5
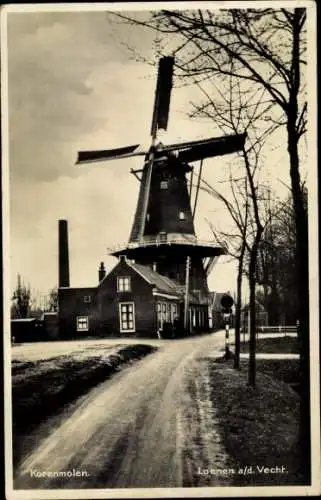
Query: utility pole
pixel 226 304
pixel 186 302
pixel 227 337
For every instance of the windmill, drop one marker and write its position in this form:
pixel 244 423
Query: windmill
pixel 163 234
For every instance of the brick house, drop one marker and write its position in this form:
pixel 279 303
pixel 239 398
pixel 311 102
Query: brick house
pixel 131 300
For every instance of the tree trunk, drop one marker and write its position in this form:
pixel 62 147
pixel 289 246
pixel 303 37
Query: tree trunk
pixel 276 320
pixel 303 310
pixel 238 306
pixel 252 306
pixel 252 313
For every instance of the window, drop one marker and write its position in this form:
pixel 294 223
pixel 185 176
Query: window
pixel 127 316
pixel 123 284
pixel 82 323
pixel 173 312
pixel 193 317
pixel 162 237
pixel 87 299
pixel 164 309
pixel 182 216
pixel 166 312
pixel 159 316
pixel 164 185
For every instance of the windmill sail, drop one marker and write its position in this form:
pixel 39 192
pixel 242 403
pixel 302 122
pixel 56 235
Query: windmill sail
pixel 159 120
pixel 110 154
pixel 219 146
pixel 162 94
pixel 204 148
pixel 186 151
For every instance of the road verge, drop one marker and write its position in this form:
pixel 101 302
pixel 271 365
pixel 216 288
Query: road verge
pixel 259 426
pixel 42 388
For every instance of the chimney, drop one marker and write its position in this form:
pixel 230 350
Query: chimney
pixel 63 254
pixel 101 272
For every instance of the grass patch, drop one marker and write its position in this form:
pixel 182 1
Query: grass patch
pixel 40 389
pixel 278 345
pixel 259 426
pixel 285 370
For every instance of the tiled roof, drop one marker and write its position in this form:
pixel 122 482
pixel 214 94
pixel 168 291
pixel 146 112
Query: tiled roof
pixel 162 283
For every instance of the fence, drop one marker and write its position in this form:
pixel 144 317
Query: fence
pixel 261 321
pixel 278 329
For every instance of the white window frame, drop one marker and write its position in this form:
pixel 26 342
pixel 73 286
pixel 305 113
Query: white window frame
pixel 162 314
pixel 162 237
pixel 122 279
pixel 126 330
pixel 159 316
pixel 169 313
pixel 193 317
pixel 173 311
pixel 164 185
pixel 82 318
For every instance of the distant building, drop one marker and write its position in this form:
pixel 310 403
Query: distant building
pixel 27 330
pixel 50 325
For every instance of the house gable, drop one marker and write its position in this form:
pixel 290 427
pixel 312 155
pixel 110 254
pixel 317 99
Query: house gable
pixel 123 270
pixel 135 292
pixel 75 303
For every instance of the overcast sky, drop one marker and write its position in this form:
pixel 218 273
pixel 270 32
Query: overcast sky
pixel 73 85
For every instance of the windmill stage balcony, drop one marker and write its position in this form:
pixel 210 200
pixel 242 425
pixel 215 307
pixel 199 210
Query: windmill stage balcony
pixel 186 244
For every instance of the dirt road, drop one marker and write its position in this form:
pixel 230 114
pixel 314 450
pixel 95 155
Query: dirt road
pixel 132 430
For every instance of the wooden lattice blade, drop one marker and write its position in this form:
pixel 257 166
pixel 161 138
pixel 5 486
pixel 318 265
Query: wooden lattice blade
pixel 162 94
pixel 110 154
pixel 215 147
pixel 204 148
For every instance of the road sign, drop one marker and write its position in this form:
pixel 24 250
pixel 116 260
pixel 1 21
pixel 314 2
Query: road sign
pixel 226 303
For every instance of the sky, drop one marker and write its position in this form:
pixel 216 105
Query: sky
pixel 74 85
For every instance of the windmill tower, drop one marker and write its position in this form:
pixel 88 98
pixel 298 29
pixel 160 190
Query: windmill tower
pixel 163 234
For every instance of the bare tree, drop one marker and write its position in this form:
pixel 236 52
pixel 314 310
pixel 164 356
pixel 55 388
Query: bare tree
pixel 277 262
pixel 231 112
pixel 21 300
pixel 268 49
pixel 237 245
pixel 52 304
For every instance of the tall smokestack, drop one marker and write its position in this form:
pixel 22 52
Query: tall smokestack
pixel 101 272
pixel 63 254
